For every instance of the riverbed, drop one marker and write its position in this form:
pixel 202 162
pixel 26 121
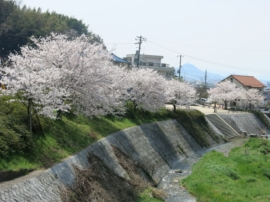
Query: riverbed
pixel 181 169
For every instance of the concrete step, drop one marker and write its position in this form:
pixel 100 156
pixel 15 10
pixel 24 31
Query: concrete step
pixel 222 126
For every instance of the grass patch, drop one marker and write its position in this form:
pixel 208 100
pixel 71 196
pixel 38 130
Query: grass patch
pixel 52 141
pixel 195 123
pixel 243 176
pixel 149 195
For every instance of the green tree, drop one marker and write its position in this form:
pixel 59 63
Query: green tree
pixel 18 24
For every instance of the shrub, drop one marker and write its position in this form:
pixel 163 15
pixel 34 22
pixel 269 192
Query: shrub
pixel 195 123
pixel 14 139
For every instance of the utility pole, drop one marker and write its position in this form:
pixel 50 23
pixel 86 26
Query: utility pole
pixel 179 71
pixel 141 39
pixel 205 78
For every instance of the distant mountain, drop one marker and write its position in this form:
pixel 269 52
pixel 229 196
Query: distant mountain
pixel 191 73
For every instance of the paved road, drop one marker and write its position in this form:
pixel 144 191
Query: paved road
pixel 207 109
pixel 210 110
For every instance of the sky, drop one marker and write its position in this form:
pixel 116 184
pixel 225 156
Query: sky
pixel 224 37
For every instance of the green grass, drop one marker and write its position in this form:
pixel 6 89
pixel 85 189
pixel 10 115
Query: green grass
pixel 148 196
pixel 56 140
pixel 195 123
pixel 52 141
pixel 243 176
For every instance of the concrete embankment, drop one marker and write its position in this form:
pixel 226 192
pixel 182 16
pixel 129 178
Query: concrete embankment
pixel 245 123
pixel 155 146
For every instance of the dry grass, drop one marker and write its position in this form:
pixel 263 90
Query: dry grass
pixel 158 193
pixel 100 184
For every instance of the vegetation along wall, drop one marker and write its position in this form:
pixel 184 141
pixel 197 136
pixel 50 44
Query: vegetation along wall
pixel 155 147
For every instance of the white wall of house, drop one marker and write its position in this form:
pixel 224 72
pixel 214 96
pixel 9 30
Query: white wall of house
pixel 237 83
pixel 152 62
pixel 240 85
pixel 151 58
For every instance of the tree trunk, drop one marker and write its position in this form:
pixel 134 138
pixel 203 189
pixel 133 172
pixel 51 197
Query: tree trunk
pixel 174 107
pixel 29 114
pixel 59 115
pixel 226 104
pixel 135 106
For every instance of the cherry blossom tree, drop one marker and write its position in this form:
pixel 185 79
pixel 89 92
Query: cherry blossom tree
pixel 180 93
pixel 225 91
pixel 252 97
pixel 145 88
pixel 59 74
pixel 213 96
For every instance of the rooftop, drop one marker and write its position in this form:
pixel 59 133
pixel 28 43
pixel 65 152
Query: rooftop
pixel 146 56
pixel 249 81
pixel 118 59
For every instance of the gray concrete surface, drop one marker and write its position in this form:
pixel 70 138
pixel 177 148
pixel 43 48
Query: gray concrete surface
pixel 247 123
pixel 209 109
pixel 157 146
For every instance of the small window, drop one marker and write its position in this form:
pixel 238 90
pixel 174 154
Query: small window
pixel 231 79
pixel 142 63
pixel 151 64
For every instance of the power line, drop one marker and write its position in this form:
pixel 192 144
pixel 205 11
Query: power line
pixel 201 77
pixel 207 61
pixel 180 66
pixel 205 78
pixel 141 39
pixel 215 47
pixel 203 60
pixel 121 43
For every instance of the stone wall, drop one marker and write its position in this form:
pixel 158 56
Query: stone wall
pixel 156 146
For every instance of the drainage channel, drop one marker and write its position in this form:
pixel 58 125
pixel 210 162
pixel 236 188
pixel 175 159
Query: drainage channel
pixel 170 183
pixel 181 169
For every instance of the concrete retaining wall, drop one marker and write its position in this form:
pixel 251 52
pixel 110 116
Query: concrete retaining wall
pixel 248 123
pixel 156 146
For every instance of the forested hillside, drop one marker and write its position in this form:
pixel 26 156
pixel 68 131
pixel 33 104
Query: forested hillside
pixel 18 23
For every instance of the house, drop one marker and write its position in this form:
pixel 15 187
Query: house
pixel 119 61
pixel 153 62
pixel 245 82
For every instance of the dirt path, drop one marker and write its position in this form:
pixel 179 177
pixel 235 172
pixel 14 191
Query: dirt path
pixel 226 148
